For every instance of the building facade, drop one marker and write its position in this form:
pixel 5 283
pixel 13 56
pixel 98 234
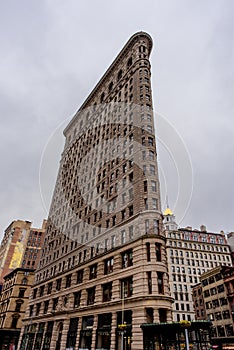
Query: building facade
pixel 230 239
pixel 190 253
pixel 20 247
pixel 216 290
pixel 198 302
pixel 13 302
pixel 103 269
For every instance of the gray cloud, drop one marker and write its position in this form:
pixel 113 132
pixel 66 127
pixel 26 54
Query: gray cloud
pixel 52 54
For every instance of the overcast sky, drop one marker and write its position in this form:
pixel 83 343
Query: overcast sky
pixel 54 52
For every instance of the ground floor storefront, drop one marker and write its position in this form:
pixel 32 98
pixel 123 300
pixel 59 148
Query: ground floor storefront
pixel 9 339
pixel 177 336
pixel 82 337
pixel 112 330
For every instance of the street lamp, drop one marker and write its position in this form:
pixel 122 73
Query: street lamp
pixel 122 326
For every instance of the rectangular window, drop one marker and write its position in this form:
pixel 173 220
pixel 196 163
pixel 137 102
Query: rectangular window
pixel 160 283
pixel 55 304
pixel 123 236
pixel 158 248
pixel 126 287
pixel 152 169
pixel 41 291
pixel 31 310
pixel 130 210
pixel 147 226
pixel 154 203
pixel 58 284
pixel 38 307
pixel 79 276
pixel 220 288
pixel 113 241
pixel 153 186
pixel 107 292
pixel 156 226
pixel 149 127
pixel 148 251
pixel 46 306
pixel 68 281
pixel 130 232
pixel 22 291
pixel 34 293
pixel 93 271
pixel 18 306
pixel 127 259
pixel 149 278
pixel 49 287
pixel 108 265
pixel 130 177
pixel 151 155
pixel 14 321
pixel 150 141
pixel 77 296
pixel 90 296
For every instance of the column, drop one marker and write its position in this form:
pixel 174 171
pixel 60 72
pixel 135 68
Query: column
pixel 64 334
pixel 166 284
pixel 138 317
pixel 78 333
pixel 54 335
pixel 115 290
pixel 154 282
pixel 43 336
pixel 156 315
pixel 35 335
pixel 94 332
pixel 113 331
pixel 20 337
pixel 169 315
pixel 98 293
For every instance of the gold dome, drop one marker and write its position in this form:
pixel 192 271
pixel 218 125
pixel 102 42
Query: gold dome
pixel 167 212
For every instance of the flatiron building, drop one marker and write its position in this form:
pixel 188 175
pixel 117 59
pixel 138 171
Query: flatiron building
pixel 103 269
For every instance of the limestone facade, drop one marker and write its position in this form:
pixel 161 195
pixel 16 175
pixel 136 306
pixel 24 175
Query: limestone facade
pixel 103 269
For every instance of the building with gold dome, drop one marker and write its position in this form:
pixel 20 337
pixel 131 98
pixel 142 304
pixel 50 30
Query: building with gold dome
pixel 169 220
pixel 190 253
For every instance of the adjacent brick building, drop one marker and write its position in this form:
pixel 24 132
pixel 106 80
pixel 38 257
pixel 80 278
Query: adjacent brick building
pixel 216 292
pixel 20 247
pixel 13 303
